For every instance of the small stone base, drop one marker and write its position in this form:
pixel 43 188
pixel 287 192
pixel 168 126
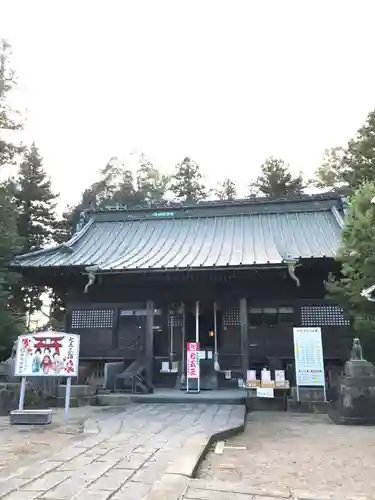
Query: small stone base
pixel 30 417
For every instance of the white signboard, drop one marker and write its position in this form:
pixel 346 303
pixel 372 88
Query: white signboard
pixel 47 354
pixel 193 357
pixel 309 360
pixel 263 392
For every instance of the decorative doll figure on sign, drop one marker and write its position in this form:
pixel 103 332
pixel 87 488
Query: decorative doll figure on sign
pixel 46 364
pixel 37 361
pixel 57 364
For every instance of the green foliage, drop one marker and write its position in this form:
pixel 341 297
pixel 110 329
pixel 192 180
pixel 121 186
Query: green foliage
pixel 116 186
pixel 357 259
pixel 276 181
pixel 10 319
pixel 152 185
pixel 9 118
pixel 330 173
pixel 359 159
pixel 227 190
pixel 346 169
pixel 187 184
pixel 35 204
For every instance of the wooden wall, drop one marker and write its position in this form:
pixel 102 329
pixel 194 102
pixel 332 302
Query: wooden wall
pixel 267 293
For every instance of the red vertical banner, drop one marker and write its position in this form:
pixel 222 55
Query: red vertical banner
pixel 192 360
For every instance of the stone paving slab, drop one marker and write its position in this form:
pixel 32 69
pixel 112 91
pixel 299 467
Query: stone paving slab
pixel 127 457
pixel 239 488
pixel 222 490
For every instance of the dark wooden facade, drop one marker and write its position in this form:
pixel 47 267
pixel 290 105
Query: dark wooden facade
pixel 123 316
pixel 235 256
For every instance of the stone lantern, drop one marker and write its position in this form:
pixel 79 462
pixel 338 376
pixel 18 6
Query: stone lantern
pixel 356 393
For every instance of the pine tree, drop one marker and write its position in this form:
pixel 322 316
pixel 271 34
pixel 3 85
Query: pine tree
pixel 346 169
pixel 187 182
pixel 227 190
pixel 9 117
pixel 276 181
pixel 152 185
pixel 10 319
pixel 330 174
pixel 36 220
pixel 357 260
pixel 359 159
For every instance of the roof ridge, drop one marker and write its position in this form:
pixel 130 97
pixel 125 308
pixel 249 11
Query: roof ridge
pixel 176 205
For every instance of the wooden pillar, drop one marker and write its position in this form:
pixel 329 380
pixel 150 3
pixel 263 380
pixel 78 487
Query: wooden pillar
pixel 244 339
pixel 149 342
pixel 115 325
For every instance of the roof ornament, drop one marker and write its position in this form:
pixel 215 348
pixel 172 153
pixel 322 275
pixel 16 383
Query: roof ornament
pixel 91 270
pixel 82 221
pixel 292 264
pixel 356 352
pixel 367 293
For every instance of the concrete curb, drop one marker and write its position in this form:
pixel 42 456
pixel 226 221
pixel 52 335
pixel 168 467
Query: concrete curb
pixel 218 436
pixel 176 478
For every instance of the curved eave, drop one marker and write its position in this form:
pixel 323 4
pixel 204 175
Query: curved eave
pixel 192 269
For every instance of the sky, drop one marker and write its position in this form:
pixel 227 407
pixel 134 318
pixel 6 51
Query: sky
pixel 227 83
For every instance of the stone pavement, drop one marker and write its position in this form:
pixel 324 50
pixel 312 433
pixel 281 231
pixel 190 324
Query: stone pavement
pixel 125 455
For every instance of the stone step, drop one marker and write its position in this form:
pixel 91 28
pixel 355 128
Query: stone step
pixel 76 402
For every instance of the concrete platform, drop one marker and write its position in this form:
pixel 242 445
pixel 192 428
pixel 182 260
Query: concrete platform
pixel 30 417
pixel 224 396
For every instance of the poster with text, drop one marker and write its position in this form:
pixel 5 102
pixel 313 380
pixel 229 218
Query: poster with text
pixel 47 354
pixel 193 360
pixel 308 351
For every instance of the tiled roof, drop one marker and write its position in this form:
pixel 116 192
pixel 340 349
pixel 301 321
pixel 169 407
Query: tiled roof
pixel 202 237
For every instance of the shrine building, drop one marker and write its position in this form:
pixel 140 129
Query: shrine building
pixel 235 275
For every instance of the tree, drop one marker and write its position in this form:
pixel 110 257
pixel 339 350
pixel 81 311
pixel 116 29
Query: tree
pixel 227 190
pixel 35 203
pixel 116 187
pixel 359 158
pixel 330 174
pixel 152 185
pixel 357 259
pixel 9 118
pixel 276 181
pixel 10 320
pixel 187 182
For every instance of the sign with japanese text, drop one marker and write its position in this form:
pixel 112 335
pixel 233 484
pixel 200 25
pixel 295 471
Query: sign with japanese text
pixel 47 354
pixel 263 392
pixel 192 360
pixel 309 360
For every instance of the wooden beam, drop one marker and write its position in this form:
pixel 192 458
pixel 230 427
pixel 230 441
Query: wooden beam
pixel 149 342
pixel 244 339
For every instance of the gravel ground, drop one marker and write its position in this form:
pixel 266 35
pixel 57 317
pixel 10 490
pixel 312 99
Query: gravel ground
pixel 300 452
